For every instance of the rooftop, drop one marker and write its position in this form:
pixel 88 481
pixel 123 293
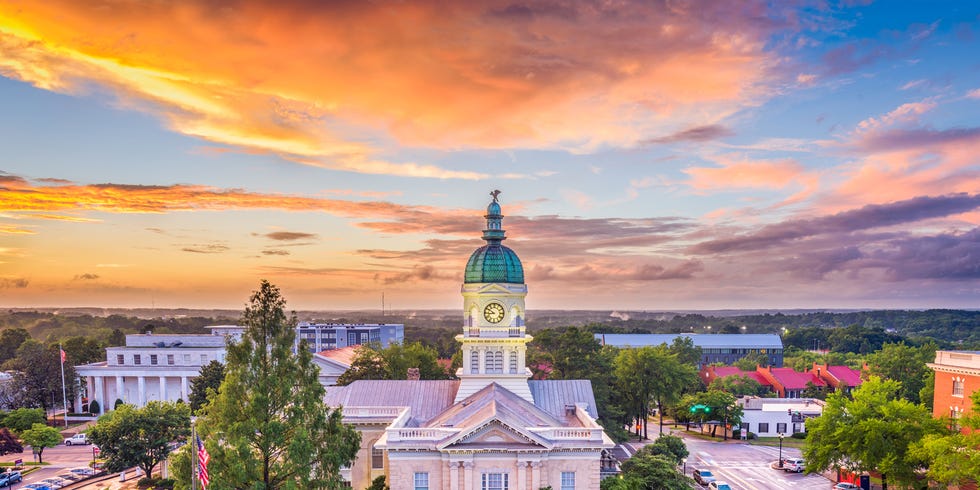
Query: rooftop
pixel 848 376
pixel 710 341
pixel 792 380
pixel 344 355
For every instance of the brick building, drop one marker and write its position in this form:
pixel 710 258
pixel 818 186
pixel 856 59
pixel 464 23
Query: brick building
pixel 957 377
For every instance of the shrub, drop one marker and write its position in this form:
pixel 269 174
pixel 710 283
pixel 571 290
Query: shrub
pixel 94 407
pixel 799 435
pixel 118 402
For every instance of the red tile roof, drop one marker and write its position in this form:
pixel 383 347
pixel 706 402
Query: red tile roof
pixel 344 355
pixel 725 371
pixel 792 380
pixel 848 376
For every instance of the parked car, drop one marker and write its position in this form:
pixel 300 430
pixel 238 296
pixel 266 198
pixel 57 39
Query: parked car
pixel 703 477
pixel 846 486
pixel 793 464
pixel 76 439
pixel 70 477
pixel 9 478
pixel 83 471
pixel 36 486
pixel 719 485
pixel 54 482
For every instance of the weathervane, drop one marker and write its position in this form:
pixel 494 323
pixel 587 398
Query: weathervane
pixel 495 193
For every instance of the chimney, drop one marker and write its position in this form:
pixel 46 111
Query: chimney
pixel 413 374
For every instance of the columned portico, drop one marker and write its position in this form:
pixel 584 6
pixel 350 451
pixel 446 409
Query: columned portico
pixel 141 390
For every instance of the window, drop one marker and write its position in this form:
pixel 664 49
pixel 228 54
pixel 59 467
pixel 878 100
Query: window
pixel 421 481
pixel 204 358
pixel 120 359
pixel 763 427
pixel 957 387
pixel 954 419
pixel 781 427
pixel 153 359
pixel 377 459
pixel 187 358
pixel 495 362
pixel 512 363
pixel 494 481
pixel 136 359
pixel 170 359
pixel 567 480
pixel 474 362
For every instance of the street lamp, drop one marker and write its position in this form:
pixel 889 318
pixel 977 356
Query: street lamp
pixel 684 461
pixel 780 449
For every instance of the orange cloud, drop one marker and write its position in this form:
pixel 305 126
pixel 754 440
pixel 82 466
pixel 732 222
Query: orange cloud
pixel 301 78
pixel 734 173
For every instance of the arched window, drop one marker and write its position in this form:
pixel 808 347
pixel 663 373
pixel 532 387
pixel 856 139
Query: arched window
pixel 474 362
pixel 512 362
pixel 494 362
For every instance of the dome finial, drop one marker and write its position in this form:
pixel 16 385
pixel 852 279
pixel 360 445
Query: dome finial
pixel 495 193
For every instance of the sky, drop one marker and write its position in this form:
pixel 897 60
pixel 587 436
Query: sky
pixel 651 155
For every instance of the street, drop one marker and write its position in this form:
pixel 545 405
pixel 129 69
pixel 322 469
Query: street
pixel 746 467
pixel 61 459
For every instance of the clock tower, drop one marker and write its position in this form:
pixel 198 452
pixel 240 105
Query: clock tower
pixel 494 339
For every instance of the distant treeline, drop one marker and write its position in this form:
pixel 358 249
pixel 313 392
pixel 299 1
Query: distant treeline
pixel 837 331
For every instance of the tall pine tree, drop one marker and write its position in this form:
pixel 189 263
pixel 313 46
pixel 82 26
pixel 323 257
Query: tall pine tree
pixel 268 428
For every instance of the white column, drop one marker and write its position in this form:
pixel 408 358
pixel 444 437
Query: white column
pixel 184 393
pixel 536 474
pixel 468 475
pixel 453 475
pixel 141 391
pixel 522 475
pixel 163 388
pixel 121 390
pixel 100 393
pixel 78 399
pixel 482 356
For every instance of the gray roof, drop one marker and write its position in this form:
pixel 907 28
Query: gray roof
pixel 712 341
pixel 427 398
pixel 552 395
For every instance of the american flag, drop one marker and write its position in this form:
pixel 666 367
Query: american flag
pixel 202 463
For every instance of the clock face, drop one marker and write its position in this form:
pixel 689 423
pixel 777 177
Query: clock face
pixel 493 312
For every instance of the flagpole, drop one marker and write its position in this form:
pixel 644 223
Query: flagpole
pixel 193 456
pixel 64 391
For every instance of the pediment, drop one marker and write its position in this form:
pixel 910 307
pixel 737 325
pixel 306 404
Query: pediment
pixel 495 433
pixel 495 288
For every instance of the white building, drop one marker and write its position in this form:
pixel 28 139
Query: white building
pixel 161 367
pixel 320 337
pixel 769 417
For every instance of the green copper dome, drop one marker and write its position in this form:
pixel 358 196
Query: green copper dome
pixel 494 262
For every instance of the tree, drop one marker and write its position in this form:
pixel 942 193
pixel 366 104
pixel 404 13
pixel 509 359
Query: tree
pixel 10 341
pixel 83 350
pixel 813 391
pixel 686 351
pixel 752 360
pixel 141 437
pixel 9 443
pixel 40 436
pixel 393 362
pixel 710 406
pixel 954 457
pixel 207 381
pixel 738 385
pixel 21 419
pixel 39 375
pixel 652 471
pixel 905 364
pixel 116 338
pixel 266 434
pixel 379 484
pixel 671 447
pixel 871 432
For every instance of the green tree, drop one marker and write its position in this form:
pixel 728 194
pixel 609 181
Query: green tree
pixel 39 437
pixel 905 364
pixel 21 419
pixel 672 447
pixel 141 437
pixel 83 350
pixel 379 484
pixel 9 443
pixel 116 338
pixel 752 360
pixel 652 471
pixel 686 351
pixel 10 341
pixel 871 432
pixel 39 375
pixel 954 457
pixel 738 385
pixel 813 391
pixel 208 380
pixel 264 433
pixel 393 362
pixel 721 409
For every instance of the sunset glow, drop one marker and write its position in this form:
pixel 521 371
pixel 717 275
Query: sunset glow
pixel 657 156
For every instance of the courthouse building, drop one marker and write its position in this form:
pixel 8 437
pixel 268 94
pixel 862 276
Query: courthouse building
pixel 493 428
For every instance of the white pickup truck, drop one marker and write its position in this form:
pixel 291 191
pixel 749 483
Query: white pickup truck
pixel 76 439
